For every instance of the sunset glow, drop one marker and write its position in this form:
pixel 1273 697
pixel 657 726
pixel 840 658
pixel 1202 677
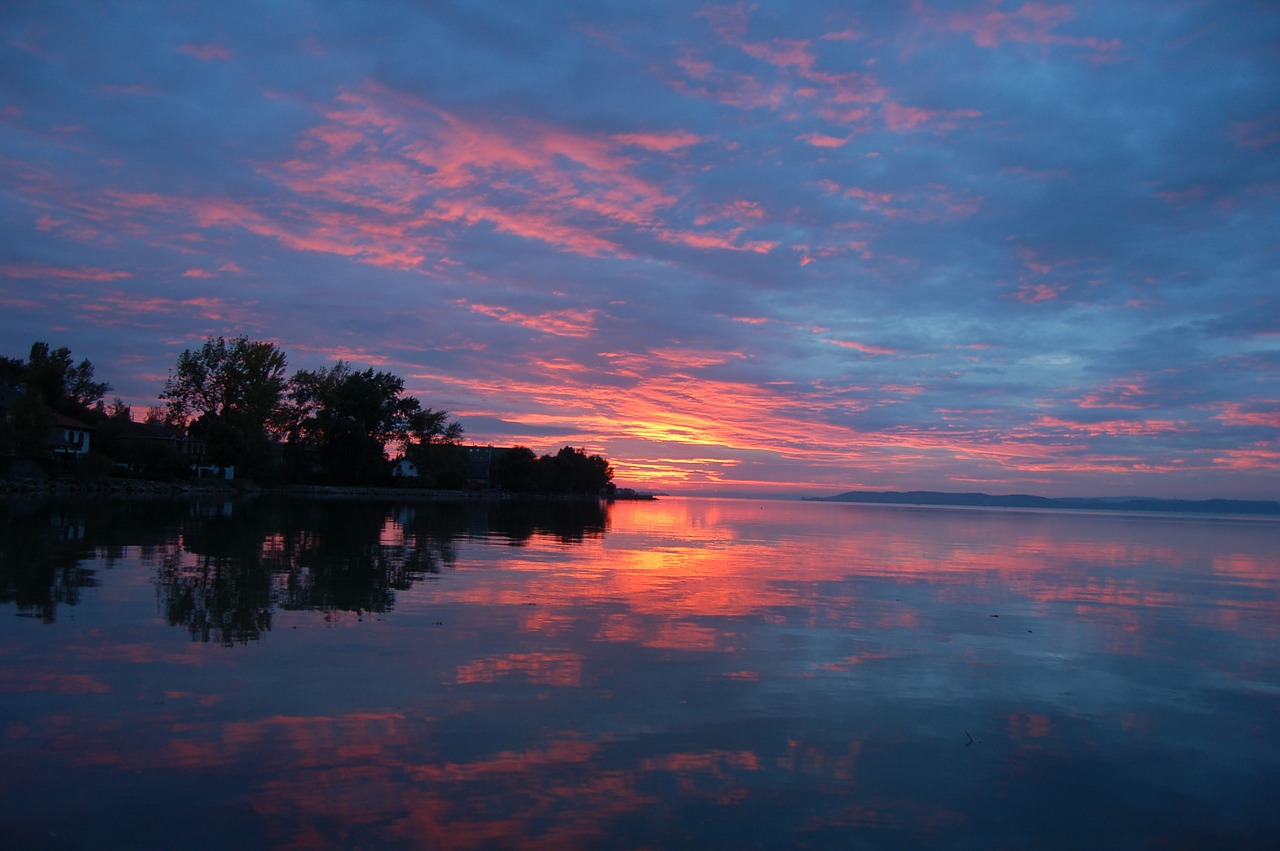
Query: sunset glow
pixel 740 248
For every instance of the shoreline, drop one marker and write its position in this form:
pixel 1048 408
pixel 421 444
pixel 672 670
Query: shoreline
pixel 28 488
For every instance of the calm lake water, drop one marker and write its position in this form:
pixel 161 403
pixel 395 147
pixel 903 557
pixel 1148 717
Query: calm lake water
pixel 676 674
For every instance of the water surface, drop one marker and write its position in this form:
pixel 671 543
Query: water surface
pixel 684 673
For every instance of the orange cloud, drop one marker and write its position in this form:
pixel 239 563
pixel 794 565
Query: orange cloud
pixel 724 241
pixel 821 140
pixel 863 347
pixel 562 323
pixel 418 167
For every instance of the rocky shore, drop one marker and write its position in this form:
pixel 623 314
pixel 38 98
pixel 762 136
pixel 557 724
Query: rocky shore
pixel 74 487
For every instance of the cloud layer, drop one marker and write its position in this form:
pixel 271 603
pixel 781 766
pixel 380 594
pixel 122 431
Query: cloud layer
pixel 737 248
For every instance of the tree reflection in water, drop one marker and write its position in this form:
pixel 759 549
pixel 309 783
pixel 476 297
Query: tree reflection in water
pixel 223 567
pixel 714 673
pixel 42 549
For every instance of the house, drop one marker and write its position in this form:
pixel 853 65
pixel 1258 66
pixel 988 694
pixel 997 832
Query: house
pixel 154 434
pixel 480 461
pixel 70 437
pixel 150 446
pixel 403 468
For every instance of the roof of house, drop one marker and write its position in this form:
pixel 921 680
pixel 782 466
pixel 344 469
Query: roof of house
pixel 155 431
pixel 63 421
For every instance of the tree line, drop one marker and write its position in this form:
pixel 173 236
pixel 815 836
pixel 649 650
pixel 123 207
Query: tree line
pixel 234 397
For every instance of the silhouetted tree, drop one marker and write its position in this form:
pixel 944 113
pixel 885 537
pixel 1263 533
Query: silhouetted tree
pixel 54 380
pixel 229 394
pixel 65 386
pixel 26 426
pixel 435 447
pixel 348 418
pixel 513 470
pixel 47 381
pixel 568 471
pixel 574 471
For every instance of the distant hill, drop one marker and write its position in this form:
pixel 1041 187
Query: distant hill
pixel 1019 500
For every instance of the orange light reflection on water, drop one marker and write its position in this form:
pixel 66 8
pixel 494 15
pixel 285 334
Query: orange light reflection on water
pixel 675 570
pixel 539 693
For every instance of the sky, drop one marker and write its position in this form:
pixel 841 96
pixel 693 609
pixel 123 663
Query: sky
pixel 749 248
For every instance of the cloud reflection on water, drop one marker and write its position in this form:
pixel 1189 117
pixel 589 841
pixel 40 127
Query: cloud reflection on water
pixel 687 672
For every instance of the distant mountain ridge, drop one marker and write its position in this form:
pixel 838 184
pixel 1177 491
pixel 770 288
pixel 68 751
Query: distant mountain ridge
pixel 1019 500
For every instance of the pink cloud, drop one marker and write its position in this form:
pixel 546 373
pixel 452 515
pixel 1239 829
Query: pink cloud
pixel 1182 197
pixel 16 303
pixel 722 241
pixel 400 172
pixel 347 235
pixel 1122 393
pixel 542 227
pixel 1260 456
pixel 783 53
pixel 559 187
pixel 798 85
pixel 1114 428
pixel 1043 176
pixel 1240 414
pixel 1033 262
pixel 899 117
pixel 933 202
pixel 1030 23
pixel 80 273
pixel 1258 134
pixel 197 273
pixel 732 89
pixel 870 200
pixel 904 118
pixel 736 211
pixel 812 254
pixel 206 52
pixel 661 142
pixel 1032 293
pixel 863 347
pixel 561 323
pixel 940 203
pixel 821 140
pixel 136 89
pixel 695 66
pixel 354 355
pixel 730 21
pixel 849 34
pixel 338 139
